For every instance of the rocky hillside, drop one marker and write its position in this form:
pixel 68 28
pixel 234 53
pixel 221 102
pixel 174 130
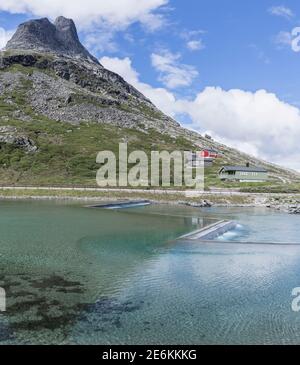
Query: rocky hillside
pixel 59 107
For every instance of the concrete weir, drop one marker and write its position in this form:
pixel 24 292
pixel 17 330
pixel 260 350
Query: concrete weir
pixel 210 232
pixel 122 204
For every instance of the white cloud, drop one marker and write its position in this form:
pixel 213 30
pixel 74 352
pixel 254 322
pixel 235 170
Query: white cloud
pixel 283 39
pixel 117 14
pixel 98 19
pixel 172 73
pixel 193 40
pixel 161 97
pixel 152 22
pixel 195 45
pixel 258 122
pixel 5 36
pixel 100 41
pixel 282 11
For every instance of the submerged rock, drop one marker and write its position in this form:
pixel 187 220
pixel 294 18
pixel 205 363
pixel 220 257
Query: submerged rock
pixel 294 209
pixel 200 204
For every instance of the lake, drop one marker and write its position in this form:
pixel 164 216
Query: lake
pixel 75 275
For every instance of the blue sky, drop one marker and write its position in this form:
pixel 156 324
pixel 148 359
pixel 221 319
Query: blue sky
pixel 220 66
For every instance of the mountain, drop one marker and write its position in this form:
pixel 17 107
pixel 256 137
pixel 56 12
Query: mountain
pixel 59 107
pixel 43 36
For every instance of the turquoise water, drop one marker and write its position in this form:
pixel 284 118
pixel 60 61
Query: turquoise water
pixel 75 275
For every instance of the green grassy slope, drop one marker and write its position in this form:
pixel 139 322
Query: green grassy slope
pixel 67 153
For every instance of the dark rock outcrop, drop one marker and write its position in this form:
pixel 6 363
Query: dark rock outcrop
pixel 95 79
pixel 43 36
pixel 10 135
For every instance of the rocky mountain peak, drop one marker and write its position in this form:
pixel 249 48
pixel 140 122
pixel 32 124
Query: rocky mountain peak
pixel 43 36
pixel 66 31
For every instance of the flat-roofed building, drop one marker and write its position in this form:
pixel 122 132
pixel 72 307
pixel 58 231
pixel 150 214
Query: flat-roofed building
pixel 243 173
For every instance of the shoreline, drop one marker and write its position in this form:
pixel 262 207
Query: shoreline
pixel 277 201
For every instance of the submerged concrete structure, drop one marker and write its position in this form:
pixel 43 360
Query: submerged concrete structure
pixel 210 232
